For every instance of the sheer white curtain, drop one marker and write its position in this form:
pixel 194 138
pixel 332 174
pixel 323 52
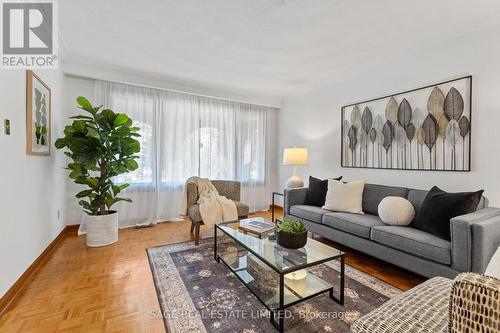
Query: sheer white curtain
pixel 185 135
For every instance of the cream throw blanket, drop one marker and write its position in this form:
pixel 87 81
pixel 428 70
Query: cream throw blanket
pixel 214 208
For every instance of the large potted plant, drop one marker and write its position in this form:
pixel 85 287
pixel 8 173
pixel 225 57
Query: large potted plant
pixel 101 144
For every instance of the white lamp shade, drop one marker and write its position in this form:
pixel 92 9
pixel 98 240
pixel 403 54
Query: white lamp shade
pixel 295 156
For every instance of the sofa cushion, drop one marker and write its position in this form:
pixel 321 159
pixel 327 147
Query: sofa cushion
pixel 417 197
pixel 439 207
pixel 373 194
pixel 345 197
pixel 355 224
pixel 310 213
pixel 396 211
pixel 414 241
pixel 316 191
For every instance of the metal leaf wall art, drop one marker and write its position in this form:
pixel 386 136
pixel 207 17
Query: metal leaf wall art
pixel 388 132
pixel 454 104
pixel 373 137
pixel 452 137
pixel 435 103
pixel 404 113
pixel 464 124
pixel 442 127
pixel 346 126
pixel 410 134
pixel 421 129
pixel 352 143
pixel 356 117
pixel 430 136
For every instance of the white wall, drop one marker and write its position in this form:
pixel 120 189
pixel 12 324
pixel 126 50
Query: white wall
pixel 313 120
pixel 32 187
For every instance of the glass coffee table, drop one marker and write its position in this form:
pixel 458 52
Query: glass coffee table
pixel 277 276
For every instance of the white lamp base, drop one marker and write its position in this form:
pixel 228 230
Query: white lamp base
pixel 294 181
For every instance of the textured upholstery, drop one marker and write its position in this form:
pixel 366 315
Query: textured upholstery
pixel 192 193
pixel 474 304
pixel 399 258
pixel 311 213
pixel 229 189
pixel 414 241
pixel 493 268
pixel 483 203
pixel 416 197
pixel 292 197
pixel 373 194
pixel 475 235
pixel 396 211
pixel 194 211
pixel 422 309
pixel 356 224
pixel 468 304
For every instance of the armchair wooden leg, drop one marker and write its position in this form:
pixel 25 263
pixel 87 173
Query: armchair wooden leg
pixel 197 234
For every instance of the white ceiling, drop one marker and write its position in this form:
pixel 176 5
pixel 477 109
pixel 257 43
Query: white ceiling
pixel 271 47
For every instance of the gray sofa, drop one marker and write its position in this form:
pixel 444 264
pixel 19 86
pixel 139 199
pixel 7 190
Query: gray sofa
pixel 474 237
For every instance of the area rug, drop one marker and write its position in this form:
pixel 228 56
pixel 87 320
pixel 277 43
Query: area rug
pixel 197 294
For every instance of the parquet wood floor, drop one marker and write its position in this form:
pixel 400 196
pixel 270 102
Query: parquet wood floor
pixel 110 289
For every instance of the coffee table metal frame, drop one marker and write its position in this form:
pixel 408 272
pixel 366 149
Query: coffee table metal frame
pixel 278 312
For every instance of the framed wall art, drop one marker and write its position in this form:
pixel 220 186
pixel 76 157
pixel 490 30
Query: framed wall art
pixel 38 109
pixel 427 128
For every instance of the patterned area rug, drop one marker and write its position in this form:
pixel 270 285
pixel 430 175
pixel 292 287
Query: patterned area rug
pixel 197 294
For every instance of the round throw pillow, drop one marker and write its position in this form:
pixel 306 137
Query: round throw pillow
pixel 396 211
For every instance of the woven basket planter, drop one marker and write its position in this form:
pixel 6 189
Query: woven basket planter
pixel 102 229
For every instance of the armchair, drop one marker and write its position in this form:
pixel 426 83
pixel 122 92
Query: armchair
pixel 468 304
pixel 229 189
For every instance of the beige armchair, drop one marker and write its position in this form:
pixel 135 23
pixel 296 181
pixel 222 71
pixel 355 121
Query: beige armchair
pixel 229 189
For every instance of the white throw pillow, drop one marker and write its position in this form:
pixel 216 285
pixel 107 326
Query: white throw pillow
pixel 345 197
pixel 493 268
pixel 396 211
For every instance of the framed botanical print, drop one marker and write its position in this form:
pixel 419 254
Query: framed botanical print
pixel 38 109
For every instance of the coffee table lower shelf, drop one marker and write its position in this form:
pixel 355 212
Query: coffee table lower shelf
pixel 286 293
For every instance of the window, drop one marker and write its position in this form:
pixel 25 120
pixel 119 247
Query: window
pixel 185 135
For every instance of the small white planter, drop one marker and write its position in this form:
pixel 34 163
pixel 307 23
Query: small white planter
pixel 102 229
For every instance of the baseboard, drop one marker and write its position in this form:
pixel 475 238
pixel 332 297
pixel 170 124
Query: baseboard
pixel 72 227
pixel 17 287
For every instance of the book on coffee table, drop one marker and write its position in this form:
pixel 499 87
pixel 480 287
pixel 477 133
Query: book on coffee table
pixel 256 225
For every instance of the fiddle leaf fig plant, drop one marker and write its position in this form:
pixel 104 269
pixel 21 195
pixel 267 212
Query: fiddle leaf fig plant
pixel 102 144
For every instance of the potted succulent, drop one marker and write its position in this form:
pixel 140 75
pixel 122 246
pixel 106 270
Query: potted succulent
pixel 101 144
pixel 291 234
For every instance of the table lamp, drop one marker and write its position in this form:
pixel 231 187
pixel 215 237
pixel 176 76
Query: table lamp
pixel 295 157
